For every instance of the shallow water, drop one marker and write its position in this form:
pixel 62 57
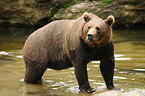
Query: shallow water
pixel 129 70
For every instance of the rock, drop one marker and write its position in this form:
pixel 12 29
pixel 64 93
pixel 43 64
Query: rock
pixel 132 13
pixel 128 13
pixel 28 12
pixel 76 11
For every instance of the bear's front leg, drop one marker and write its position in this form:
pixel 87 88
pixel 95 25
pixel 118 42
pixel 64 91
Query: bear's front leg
pixel 107 70
pixel 82 77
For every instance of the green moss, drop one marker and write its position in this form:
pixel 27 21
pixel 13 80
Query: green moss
pixel 65 6
pixel 68 5
pixel 106 2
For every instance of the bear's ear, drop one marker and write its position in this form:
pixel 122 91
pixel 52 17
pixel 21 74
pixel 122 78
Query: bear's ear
pixel 110 20
pixel 86 17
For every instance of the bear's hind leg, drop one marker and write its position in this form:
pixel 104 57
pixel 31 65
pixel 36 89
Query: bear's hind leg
pixel 33 73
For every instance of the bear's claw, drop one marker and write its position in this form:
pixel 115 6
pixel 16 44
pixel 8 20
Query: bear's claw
pixel 90 90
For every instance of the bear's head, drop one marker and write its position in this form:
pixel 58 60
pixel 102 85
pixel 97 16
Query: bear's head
pixel 97 31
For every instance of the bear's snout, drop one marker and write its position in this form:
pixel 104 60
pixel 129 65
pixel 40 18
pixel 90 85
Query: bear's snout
pixel 90 37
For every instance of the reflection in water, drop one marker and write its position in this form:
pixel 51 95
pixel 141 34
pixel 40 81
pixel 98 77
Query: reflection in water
pixel 132 92
pixel 123 72
pixel 34 90
pixel 129 69
pixel 139 69
pixel 117 77
pixel 20 56
pixel 100 83
pixel 118 55
pixel 4 53
pixel 122 58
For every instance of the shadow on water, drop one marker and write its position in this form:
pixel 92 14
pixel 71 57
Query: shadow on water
pixel 129 36
pixel 129 71
pixel 13 38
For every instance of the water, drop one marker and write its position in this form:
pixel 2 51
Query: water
pixel 129 70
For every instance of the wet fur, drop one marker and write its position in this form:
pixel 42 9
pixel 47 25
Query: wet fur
pixel 59 45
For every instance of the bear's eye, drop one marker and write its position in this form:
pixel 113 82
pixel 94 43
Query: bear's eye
pixel 89 27
pixel 98 29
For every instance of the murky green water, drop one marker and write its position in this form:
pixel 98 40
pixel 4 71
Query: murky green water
pixel 129 71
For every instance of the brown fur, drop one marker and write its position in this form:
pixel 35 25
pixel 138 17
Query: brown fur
pixel 63 43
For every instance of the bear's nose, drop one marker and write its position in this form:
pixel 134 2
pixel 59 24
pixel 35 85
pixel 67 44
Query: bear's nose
pixel 90 37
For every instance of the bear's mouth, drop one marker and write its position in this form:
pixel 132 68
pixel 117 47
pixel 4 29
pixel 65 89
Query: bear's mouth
pixel 96 39
pixel 90 39
pixel 94 43
pixel 99 40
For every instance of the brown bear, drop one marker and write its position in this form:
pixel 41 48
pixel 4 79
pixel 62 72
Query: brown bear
pixel 62 44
